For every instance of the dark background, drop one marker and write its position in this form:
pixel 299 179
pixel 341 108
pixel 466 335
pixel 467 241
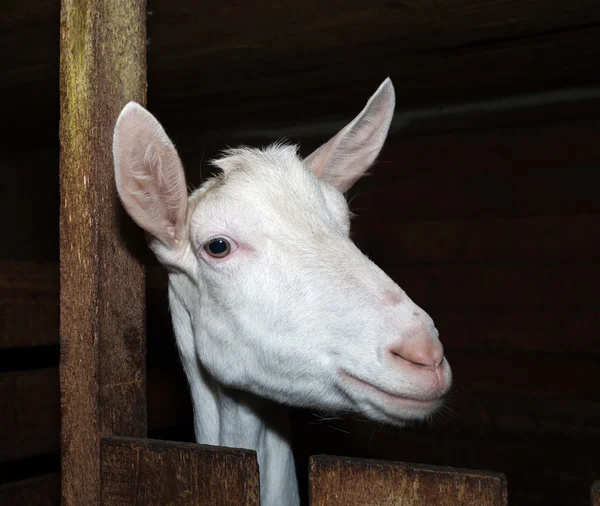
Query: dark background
pixel 483 206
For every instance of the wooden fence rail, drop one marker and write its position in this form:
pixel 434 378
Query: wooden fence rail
pixel 152 472
pixel 342 481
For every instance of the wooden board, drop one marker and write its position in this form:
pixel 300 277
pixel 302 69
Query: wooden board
pixel 29 304
pixel 151 472
pixel 548 375
pixel 39 491
pixel 30 201
pixel 102 67
pixel 29 414
pixel 548 329
pixel 488 147
pixel 538 238
pixel 264 71
pixel 506 284
pixel 344 481
pixel 476 196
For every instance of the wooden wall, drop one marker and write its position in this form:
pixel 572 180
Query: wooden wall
pixel 495 233
pixel 491 224
pixel 493 227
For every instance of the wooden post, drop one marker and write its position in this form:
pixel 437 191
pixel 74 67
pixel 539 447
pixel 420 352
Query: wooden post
pixel 595 494
pixel 102 364
pixel 340 481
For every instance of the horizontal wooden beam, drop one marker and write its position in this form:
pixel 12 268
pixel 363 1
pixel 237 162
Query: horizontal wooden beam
pixel 41 490
pixel 341 481
pixel 189 474
pixel 485 240
pixel 513 284
pixel 264 72
pixel 30 413
pixel 29 307
pixel 31 205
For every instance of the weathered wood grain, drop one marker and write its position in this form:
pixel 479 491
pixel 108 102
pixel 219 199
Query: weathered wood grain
pixel 39 491
pixel 151 472
pixel 343 481
pixel 29 305
pixel 102 67
pixel 595 494
pixel 29 413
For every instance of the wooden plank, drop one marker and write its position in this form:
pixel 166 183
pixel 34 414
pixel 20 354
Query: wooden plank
pixel 31 227
pixel 525 284
pixel 518 415
pixel 102 67
pixel 548 375
pixel 189 474
pixel 314 25
pixel 538 238
pixel 29 414
pixel 512 149
pixel 498 195
pixel 264 71
pixel 550 329
pixel 342 481
pixel 39 491
pixel 595 494
pixel 268 88
pixel 29 307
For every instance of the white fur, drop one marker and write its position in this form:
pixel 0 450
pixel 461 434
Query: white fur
pixel 296 315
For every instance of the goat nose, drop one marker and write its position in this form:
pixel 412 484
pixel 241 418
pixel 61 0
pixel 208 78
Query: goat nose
pixel 427 352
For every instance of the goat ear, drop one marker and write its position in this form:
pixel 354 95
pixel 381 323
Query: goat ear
pixel 346 157
pixel 149 175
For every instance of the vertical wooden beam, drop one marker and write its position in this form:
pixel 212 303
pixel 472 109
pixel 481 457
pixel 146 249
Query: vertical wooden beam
pixel 340 481
pixel 102 369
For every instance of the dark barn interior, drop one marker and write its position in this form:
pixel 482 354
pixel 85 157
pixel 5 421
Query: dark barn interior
pixel 483 206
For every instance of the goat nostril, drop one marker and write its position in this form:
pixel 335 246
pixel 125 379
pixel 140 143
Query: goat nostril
pixel 428 353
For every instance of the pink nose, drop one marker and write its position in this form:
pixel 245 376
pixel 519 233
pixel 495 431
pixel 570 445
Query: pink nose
pixel 421 350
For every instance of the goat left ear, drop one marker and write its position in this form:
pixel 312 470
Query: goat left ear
pixel 346 157
pixel 149 175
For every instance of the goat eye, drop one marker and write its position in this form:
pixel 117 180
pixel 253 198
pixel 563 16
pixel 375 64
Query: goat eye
pixel 218 247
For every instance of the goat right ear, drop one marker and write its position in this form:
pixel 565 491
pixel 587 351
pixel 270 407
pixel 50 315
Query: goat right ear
pixel 149 175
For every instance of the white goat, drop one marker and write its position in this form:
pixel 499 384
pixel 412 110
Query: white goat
pixel 272 303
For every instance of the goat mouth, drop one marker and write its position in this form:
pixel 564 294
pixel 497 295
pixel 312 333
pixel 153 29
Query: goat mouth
pixel 404 401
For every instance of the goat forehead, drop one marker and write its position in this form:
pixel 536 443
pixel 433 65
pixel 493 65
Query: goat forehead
pixel 272 181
